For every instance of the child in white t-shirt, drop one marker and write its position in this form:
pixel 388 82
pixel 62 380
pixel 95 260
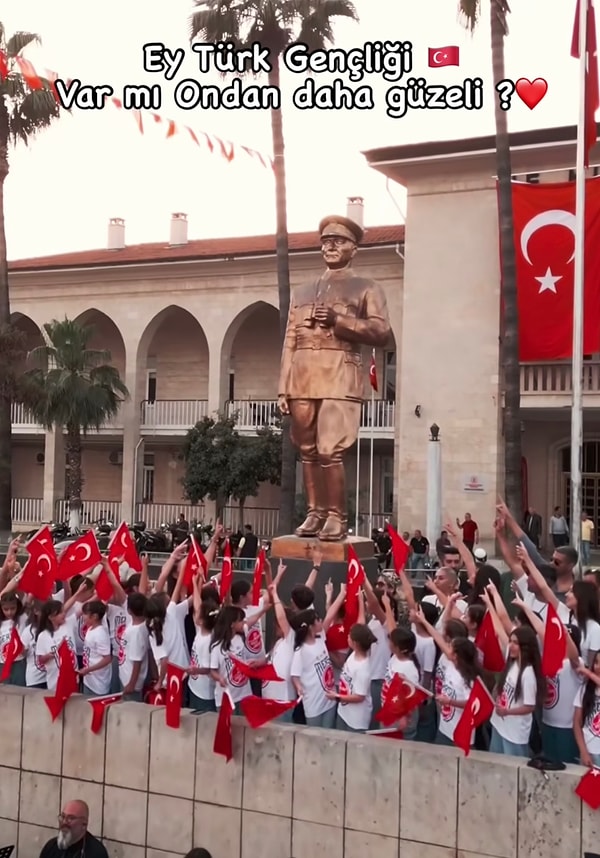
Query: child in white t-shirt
pixel 311 670
pixel 228 640
pixel 53 629
pixel 354 691
pixel 521 687
pixel 586 718
pixel 12 618
pixel 133 649
pixel 201 685
pixel 97 656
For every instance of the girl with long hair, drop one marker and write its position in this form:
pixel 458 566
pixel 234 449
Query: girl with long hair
pixel 582 602
pixel 97 654
pixel 12 618
pixel 200 684
pixel 586 714
pixel 354 691
pixel 35 673
pixel 311 669
pixel 519 690
pixel 52 630
pixel 227 643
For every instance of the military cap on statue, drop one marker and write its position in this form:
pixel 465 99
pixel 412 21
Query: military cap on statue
pixel 336 226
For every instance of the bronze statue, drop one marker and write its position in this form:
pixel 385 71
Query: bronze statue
pixel 321 381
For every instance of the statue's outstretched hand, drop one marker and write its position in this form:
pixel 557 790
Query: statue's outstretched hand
pixel 283 406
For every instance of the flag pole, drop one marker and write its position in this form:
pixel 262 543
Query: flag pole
pixel 578 286
pixel 357 501
pixel 371 463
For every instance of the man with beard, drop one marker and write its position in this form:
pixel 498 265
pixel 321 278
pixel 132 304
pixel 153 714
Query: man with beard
pixel 73 839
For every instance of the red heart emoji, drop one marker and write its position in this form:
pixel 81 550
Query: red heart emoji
pixel 531 92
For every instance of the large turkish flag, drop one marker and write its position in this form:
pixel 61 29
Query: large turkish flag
pixel 544 229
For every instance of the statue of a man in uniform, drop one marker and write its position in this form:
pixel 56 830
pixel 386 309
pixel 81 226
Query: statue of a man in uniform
pixel 322 376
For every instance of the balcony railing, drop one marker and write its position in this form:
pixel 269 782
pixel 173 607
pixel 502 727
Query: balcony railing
pixel 377 416
pixel 22 420
pixel 155 514
pixel 93 510
pixel 544 378
pixel 26 510
pixel 169 414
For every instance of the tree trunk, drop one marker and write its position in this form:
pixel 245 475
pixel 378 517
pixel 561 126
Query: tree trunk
pixel 288 453
pixel 509 336
pixel 5 399
pixel 242 504
pixel 74 477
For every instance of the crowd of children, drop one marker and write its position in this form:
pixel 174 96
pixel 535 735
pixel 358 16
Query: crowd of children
pixel 340 674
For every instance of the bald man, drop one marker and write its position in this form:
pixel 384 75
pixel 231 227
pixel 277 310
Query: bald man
pixel 446 580
pixel 73 839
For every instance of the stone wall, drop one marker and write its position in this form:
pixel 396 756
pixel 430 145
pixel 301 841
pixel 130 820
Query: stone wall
pixel 154 792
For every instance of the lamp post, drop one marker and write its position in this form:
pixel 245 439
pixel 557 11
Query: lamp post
pixel 434 484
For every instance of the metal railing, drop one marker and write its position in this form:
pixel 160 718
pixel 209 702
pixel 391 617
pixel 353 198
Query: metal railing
pixel 155 514
pixel 378 415
pixel 93 510
pixel 263 520
pixel 163 414
pixel 26 510
pixel 21 417
pixel 557 377
pixel 253 414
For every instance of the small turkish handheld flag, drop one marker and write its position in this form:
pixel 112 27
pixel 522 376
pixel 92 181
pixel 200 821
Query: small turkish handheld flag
pixel 226 572
pixel 99 706
pixel 79 557
pixel 123 546
pixel 544 237
pixel 259 568
pixel 39 574
pixel 448 56
pixel 355 577
pixel 223 743
pixel 193 564
pixel 478 710
pixel 373 372
pixel 12 651
pixel 399 699
pixel 68 680
pixel 266 672
pixel 400 549
pixel 588 788
pixel 175 676
pixel 487 641
pixel 104 587
pixel 259 711
pixel 555 644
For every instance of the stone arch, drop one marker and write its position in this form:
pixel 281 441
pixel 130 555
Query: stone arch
pixel 174 348
pixel 106 335
pixel 33 336
pixel 251 352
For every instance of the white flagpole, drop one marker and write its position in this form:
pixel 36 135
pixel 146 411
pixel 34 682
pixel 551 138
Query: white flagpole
pixel 357 501
pixel 371 463
pixel 578 287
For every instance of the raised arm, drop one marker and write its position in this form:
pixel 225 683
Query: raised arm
pixel 519 533
pixel 373 602
pixel 335 607
pixel 467 558
pixel 546 593
pixel 280 613
pixel 432 632
pixel 317 558
pixel 168 567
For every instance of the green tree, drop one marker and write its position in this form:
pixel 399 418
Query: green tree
pixel 276 24
pixel 221 464
pixel 23 111
pixel 470 11
pixel 73 388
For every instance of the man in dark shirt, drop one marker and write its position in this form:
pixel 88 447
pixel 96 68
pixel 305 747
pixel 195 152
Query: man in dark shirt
pixel 248 548
pixel 420 550
pixel 73 839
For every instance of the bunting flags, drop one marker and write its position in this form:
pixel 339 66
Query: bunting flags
pixel 216 145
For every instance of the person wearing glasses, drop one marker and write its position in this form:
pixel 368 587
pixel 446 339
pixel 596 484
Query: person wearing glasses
pixel 73 839
pixel 321 383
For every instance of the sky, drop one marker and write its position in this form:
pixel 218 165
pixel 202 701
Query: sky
pixel 94 164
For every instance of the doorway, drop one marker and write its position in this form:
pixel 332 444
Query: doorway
pixel 590 484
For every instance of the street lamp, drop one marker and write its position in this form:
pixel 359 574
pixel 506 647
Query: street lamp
pixel 435 432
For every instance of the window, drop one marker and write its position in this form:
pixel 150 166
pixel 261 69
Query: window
pixel 389 376
pixel 148 479
pixel 151 385
pixel 387 484
pixel 231 386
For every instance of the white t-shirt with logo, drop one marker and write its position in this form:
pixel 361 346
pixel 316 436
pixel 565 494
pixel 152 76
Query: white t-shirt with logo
pixel 380 651
pixel 516 728
pixel 117 618
pixel 590 641
pixel 405 667
pixel 561 691
pixel 202 686
pixel 456 688
pixel 35 673
pixel 238 685
pixel 591 725
pixel 174 644
pixel 6 630
pixel 356 679
pixel 133 647
pixel 49 643
pixel 281 658
pixel 312 666
pixel 96 647
pixel 254 645
pixel 541 608
pixel 424 652
pixel 442 666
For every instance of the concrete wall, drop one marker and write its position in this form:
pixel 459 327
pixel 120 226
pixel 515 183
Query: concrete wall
pixel 288 792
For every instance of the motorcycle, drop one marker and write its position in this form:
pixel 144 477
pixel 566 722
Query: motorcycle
pixel 59 530
pixel 150 541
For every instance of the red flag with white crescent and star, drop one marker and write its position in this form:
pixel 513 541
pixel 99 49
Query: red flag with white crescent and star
pixel 439 57
pixel 555 644
pixel 373 372
pixel 122 547
pixel 79 557
pixel 39 574
pixel 401 697
pixel 13 650
pixel 174 692
pixel 355 577
pixel 478 710
pixel 544 235
pixel 99 706
pixel 193 564
pixel 226 572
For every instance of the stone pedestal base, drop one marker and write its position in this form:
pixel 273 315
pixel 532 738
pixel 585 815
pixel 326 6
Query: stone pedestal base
pixel 300 548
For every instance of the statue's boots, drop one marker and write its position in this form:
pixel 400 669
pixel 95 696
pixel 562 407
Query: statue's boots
pixel 315 499
pixel 336 526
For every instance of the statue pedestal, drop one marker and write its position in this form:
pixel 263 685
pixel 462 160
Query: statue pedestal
pixel 301 548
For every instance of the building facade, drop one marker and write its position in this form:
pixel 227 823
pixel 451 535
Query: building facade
pixel 448 343
pixel 193 328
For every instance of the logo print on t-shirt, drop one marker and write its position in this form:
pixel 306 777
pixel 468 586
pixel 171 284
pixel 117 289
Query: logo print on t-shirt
pixel 235 676
pixel 82 629
pixel 552 692
pixel 447 712
pixel 120 639
pixel 254 640
pixel 594 718
pixel 345 684
pixel 438 684
pixel 502 700
pixel 324 671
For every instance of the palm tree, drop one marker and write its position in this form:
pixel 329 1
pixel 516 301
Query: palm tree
pixel 470 12
pixel 276 24
pixel 72 388
pixel 23 111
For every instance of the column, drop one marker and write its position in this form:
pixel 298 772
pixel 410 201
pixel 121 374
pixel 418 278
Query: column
pixel 132 444
pixel 217 372
pixel 54 473
pixel 434 485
